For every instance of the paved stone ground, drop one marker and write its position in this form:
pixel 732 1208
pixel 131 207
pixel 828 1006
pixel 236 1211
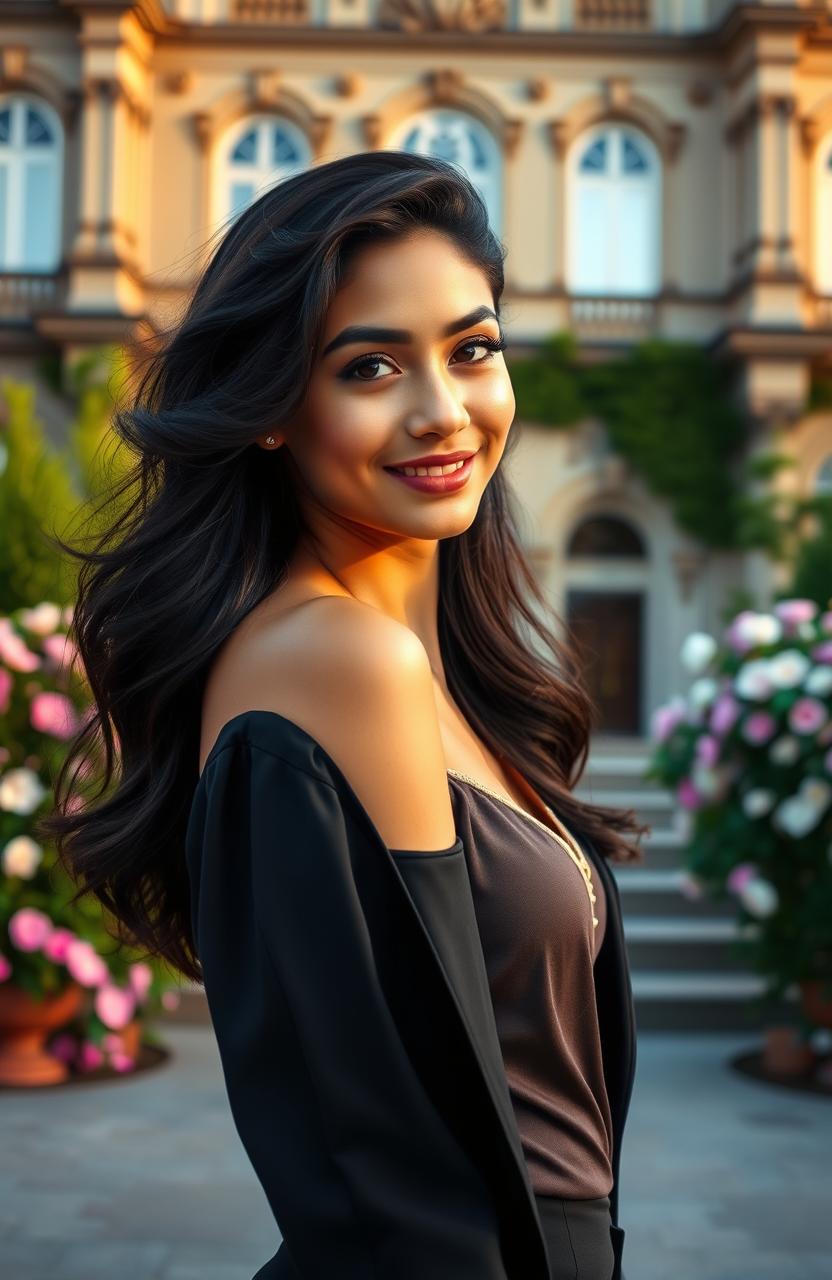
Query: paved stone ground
pixel 723 1178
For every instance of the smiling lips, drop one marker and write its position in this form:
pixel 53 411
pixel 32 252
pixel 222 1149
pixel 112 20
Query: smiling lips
pixel 429 478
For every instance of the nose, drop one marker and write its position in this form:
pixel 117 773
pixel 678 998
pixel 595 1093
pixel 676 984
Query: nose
pixel 438 405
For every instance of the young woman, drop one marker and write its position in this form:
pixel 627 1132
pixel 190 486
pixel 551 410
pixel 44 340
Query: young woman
pixel 348 743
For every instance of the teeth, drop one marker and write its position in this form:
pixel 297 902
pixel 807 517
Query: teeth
pixel 433 471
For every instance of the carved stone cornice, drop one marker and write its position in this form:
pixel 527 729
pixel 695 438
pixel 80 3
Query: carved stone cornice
pixel 442 15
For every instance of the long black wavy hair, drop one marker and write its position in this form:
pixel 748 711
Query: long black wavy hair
pixel 213 522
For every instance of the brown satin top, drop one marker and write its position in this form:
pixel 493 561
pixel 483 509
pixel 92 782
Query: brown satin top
pixel 535 922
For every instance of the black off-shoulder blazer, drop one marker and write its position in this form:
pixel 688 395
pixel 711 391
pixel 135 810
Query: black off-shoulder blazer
pixel 348 993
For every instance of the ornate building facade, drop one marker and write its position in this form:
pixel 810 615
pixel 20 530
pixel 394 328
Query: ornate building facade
pixel 653 167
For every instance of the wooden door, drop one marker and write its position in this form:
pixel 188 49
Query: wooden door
pixel 607 628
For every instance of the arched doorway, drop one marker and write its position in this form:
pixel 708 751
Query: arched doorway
pixel 606 620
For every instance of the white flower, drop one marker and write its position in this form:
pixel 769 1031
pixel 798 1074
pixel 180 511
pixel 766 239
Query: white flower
pixel 819 682
pixel 755 629
pixel 753 680
pixel 759 897
pixel 708 782
pixel 43 619
pixel 702 693
pixel 697 651
pixel 21 791
pixel 788 668
pixel 784 750
pixel 757 802
pixel 817 791
pixel 21 857
pixel 796 816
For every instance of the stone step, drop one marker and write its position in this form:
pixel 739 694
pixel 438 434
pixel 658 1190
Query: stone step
pixel 667 944
pixel 708 1001
pixel 656 808
pixel 656 891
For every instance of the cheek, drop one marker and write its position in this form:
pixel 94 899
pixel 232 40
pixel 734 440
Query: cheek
pixel 343 433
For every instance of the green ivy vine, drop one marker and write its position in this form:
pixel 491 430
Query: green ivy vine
pixel 671 410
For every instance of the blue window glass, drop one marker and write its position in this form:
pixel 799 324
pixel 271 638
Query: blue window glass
pixel 594 159
pixel 6 124
pixel 479 159
pixel 634 158
pixel 284 149
pixel 38 133
pixel 245 151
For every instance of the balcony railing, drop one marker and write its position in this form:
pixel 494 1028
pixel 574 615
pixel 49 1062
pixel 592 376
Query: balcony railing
pixel 285 12
pixel 617 15
pixel 668 16
pixel 613 319
pixel 22 293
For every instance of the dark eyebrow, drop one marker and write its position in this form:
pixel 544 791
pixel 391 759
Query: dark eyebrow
pixel 367 333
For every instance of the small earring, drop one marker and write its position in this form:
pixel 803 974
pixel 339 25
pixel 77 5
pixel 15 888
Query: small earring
pixel 269 439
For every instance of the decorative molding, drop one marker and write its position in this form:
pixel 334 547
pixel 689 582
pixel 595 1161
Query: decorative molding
pixel 111 90
pixel 349 85
pixel 538 89
pixel 178 83
pixel 618 103
pixel 700 93
pixel 263 91
pixel 443 87
pixel 19 74
pixel 442 15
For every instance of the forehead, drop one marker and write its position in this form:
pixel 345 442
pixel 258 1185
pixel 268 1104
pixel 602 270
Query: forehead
pixel 423 277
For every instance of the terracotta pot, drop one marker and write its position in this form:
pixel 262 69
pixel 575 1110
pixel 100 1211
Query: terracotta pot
pixel 784 1054
pixel 816 1006
pixel 25 1024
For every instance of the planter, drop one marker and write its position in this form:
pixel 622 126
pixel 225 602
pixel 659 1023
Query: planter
pixel 816 1006
pixel 25 1024
pixel 784 1054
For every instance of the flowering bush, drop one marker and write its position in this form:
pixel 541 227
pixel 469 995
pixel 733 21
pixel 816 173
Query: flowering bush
pixel 46 943
pixel 748 753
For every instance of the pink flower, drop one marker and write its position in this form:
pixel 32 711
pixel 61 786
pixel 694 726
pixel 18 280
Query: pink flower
pixel 29 929
pixel 707 750
pixel 85 965
pixel 5 690
pixel 687 795
pixel 114 1005
pixel 140 976
pixel 5 968
pixel 170 1000
pixel 741 876
pixel 55 946
pixel 823 652
pixel 807 715
pixel 89 1056
pixel 724 714
pixel 53 713
pixel 667 718
pixel 759 728
pixel 793 613
pixel 64 1047
pixel 14 651
pixel 60 650
pixel 826 622
pixel 121 1061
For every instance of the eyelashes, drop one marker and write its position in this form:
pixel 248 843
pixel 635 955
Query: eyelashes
pixel 492 345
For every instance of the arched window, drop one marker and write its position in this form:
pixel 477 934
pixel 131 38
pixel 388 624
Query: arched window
pixel 614 213
pixel 31 166
pixel 605 536
pixel 463 140
pixel 257 154
pixel 823 477
pixel 823 225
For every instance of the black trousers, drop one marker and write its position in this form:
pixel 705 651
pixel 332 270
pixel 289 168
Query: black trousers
pixel 578 1240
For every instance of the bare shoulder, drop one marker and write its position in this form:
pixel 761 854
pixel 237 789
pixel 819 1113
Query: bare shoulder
pixel 360 683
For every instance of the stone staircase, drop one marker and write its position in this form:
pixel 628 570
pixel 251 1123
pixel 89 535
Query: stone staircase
pixel 686 955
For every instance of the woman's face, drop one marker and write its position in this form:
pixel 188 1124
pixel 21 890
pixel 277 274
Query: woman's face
pixel 377 399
